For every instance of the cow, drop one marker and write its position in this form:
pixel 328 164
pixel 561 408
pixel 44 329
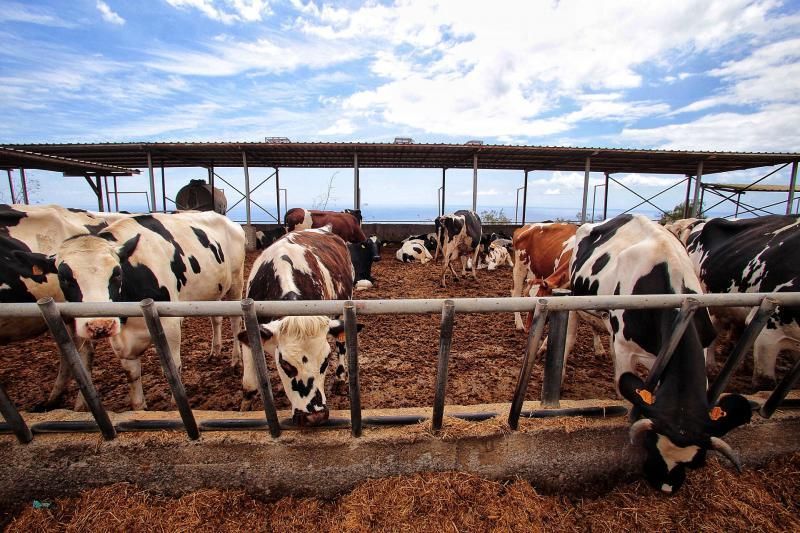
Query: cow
pixel 500 253
pixel 628 255
pixel 429 240
pixel 182 257
pixel 751 255
pixel 265 238
pixel 304 265
pixel 413 250
pixel 362 255
pixel 459 237
pixel 356 214
pixel 345 225
pixel 542 251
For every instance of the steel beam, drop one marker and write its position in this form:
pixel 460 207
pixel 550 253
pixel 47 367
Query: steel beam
pixel 686 210
pixel 445 341
pixel 153 207
pixel 605 198
pixel 99 192
pixel 163 189
pixel 534 340
pixel 116 195
pixel 356 183
pixel 554 357
pixel 247 188
pixel 354 384
pixel 25 186
pixel 475 183
pixel 444 188
pixel 525 197
pixel 11 186
pixel 697 184
pixel 108 193
pixel 14 419
pixel 789 200
pixel 278 195
pixel 260 364
pixel 587 170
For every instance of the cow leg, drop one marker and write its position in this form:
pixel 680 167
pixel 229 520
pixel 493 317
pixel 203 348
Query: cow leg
pixel 768 345
pixel 249 380
pixel 445 266
pixel 128 345
pixel 341 378
pixel 236 354
pixel 475 265
pixel 464 261
pixel 519 274
pixel 216 336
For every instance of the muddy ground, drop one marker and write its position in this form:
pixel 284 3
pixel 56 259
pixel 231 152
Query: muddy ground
pixel 397 356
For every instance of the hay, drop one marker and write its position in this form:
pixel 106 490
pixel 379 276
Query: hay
pixel 713 499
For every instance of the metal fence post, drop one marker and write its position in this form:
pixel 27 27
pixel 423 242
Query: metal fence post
pixel 159 339
pixel 14 419
pixel 743 345
pixel 260 363
pixel 445 340
pixel 59 332
pixel 351 341
pixel 554 358
pixel 534 339
pixel 781 391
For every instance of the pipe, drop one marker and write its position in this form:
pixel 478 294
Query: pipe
pixel 780 392
pixel 356 183
pixel 697 184
pixel 260 364
pixel 445 340
pixel 688 191
pixel 11 186
pixel 25 186
pixel 153 207
pixel 164 190
pixel 99 191
pixel 789 200
pixel 14 419
pixel 586 188
pixel 172 373
pixel 351 340
pixel 444 183
pixel 525 197
pixel 554 358
pixel 605 199
pixel 278 195
pixel 534 340
pixel 116 195
pixel 475 182
pixel 247 188
pixel 58 330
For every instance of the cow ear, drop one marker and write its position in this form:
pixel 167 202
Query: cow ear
pixel 631 387
pixel 336 329
pixel 265 333
pixel 731 412
pixel 127 249
pixel 29 264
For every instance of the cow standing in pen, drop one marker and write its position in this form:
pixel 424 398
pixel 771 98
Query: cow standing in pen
pixel 181 257
pixel 459 237
pixel 346 225
pixel 303 265
pixel 752 255
pixel 632 255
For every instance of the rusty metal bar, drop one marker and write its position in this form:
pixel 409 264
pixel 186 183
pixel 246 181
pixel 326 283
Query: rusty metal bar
pixel 172 373
pixel 25 186
pixel 743 345
pixel 445 340
pixel 554 358
pixel 534 340
pixel 351 341
pixel 67 348
pixel 11 186
pixel 13 418
pixel 789 199
pixel 780 392
pixel 260 364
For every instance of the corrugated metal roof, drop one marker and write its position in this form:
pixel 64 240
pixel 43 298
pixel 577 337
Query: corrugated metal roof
pixel 12 158
pixel 417 155
pixel 744 188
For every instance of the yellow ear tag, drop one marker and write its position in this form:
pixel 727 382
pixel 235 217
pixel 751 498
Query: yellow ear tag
pixel 341 337
pixel 716 413
pixel 646 396
pixel 36 270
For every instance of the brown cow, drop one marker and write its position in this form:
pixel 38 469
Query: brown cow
pixel 345 225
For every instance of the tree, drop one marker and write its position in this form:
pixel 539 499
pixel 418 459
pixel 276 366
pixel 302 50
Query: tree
pixel 493 216
pixel 32 185
pixel 677 213
pixel 321 201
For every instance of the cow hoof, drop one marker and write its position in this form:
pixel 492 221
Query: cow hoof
pixel 340 388
pixel 764 383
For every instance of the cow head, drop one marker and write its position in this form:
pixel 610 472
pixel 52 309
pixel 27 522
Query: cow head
pixel 677 435
pixel 362 255
pixel 300 346
pixel 498 255
pixel 90 270
pixel 356 214
pixel 683 228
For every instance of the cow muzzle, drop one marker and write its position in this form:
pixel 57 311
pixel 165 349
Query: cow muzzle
pixel 304 419
pixel 98 328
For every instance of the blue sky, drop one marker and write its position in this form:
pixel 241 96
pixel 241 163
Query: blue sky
pixel 718 75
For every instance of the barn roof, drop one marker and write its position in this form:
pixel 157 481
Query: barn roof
pixel 284 154
pixel 744 188
pixel 12 158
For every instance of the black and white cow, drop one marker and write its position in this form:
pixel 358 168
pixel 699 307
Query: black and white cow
pixel 632 255
pixel 265 238
pixel 429 240
pixel 460 237
pixel 751 255
pixel 311 264
pixel 188 256
pixel 500 253
pixel 362 255
pixel 413 250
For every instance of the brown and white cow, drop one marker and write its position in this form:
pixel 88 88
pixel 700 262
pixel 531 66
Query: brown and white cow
pixel 188 256
pixel 345 225
pixel 542 253
pixel 311 264
pixel 459 236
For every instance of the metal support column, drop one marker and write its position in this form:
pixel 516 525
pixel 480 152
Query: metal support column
pixel 14 419
pixel 698 181
pixel 356 184
pixel 260 364
pixel 686 211
pixel 605 199
pixel 99 191
pixel 278 196
pixel 25 186
pixel 354 387
pixel 445 340
pixel 586 188
pixel 163 189
pixel 789 200
pixel 108 193
pixel 444 171
pixel 11 187
pixel 525 197
pixel 153 207
pixel 534 339
pixel 247 188
pixel 116 195
pixel 211 182
pixel 475 183
pixel 554 357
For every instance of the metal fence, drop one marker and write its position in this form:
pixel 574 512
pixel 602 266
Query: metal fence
pixel 554 310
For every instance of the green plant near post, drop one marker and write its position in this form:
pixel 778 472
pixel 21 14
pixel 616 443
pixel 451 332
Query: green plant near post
pixel 493 216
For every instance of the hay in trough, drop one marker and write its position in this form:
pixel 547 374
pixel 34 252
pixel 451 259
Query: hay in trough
pixel 714 499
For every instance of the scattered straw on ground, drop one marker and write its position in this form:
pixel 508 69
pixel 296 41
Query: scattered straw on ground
pixel 714 499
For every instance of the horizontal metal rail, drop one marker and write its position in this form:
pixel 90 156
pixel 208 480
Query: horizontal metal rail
pixel 404 306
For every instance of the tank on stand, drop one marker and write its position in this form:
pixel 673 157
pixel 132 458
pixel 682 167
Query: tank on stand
pixel 197 196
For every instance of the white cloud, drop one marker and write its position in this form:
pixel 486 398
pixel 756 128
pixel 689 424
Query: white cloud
pixel 227 11
pixel 14 12
pixel 343 126
pixel 552 192
pixel 485 192
pixel 108 14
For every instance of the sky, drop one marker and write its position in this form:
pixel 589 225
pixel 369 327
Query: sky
pixel 706 75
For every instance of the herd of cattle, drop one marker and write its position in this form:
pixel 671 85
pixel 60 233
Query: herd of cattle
pixel 78 256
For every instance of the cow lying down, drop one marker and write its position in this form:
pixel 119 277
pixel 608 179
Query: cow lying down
pixel 413 251
pixel 312 264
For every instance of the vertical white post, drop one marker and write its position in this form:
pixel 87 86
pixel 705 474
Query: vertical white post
pixel 697 183
pixel 789 200
pixel 525 197
pixel 278 195
pixel 246 187
pixel 356 184
pixel 153 207
pixel 475 183
pixel 444 188
pixel 586 188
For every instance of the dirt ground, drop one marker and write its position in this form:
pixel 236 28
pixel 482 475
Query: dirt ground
pixel 714 498
pixel 397 356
